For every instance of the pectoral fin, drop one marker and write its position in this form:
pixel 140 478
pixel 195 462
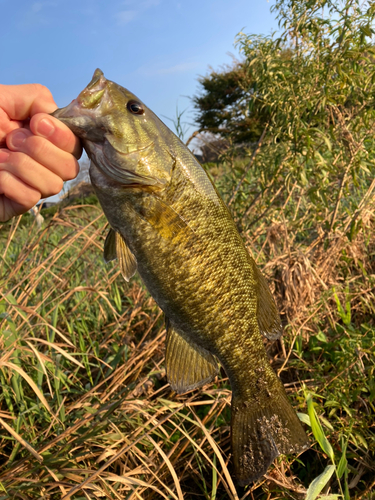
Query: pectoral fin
pixel 188 365
pixel 115 247
pixel 164 219
pixel 268 316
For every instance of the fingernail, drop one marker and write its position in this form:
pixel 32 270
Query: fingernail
pixel 18 138
pixel 45 128
pixel 4 155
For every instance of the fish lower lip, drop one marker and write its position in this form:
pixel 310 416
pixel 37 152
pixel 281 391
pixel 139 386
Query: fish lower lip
pixel 67 112
pixel 58 113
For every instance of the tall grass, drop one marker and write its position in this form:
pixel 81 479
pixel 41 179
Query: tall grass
pixel 85 408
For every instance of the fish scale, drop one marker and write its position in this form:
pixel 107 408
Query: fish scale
pixel 169 222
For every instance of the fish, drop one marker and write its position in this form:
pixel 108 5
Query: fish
pixel 169 223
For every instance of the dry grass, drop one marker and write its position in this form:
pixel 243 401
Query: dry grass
pixel 85 409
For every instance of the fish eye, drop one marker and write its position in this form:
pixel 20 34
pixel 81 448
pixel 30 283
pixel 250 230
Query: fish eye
pixel 135 107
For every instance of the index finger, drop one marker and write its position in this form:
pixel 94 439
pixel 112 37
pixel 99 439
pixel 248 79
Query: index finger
pixel 22 101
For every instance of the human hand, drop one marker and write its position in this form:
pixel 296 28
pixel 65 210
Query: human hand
pixel 37 151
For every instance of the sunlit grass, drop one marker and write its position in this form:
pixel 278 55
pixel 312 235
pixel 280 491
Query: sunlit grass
pixel 85 408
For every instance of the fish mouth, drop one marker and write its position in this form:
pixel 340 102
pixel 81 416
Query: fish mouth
pixel 110 153
pixel 99 79
pixel 81 105
pixel 65 114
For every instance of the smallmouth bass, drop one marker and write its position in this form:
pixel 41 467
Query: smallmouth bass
pixel 169 223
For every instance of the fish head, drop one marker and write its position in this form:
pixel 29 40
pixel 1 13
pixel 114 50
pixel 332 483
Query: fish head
pixel 124 139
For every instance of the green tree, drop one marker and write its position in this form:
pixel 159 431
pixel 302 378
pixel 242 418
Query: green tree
pixel 306 202
pixel 222 105
pixel 319 102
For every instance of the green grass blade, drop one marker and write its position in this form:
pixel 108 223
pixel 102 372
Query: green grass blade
pixel 214 480
pixel 319 482
pixel 329 497
pixel 318 429
pixel 343 463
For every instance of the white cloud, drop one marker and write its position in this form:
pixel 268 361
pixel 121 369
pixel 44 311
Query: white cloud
pixel 146 4
pixel 177 68
pixel 149 3
pixel 39 13
pixel 37 6
pixel 125 16
pixel 153 70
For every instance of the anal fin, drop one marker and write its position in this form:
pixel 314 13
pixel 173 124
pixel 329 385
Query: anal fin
pixel 188 366
pixel 110 246
pixel 115 247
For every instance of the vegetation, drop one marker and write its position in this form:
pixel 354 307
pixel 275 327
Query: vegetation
pixel 222 106
pixel 85 409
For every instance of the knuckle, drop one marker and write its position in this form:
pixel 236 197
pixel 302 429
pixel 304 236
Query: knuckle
pixel 71 171
pixel 24 196
pixel 66 139
pixel 37 147
pixel 4 178
pixel 32 199
pixel 18 161
pixel 41 90
pixel 54 187
pixel 5 181
pixel 77 152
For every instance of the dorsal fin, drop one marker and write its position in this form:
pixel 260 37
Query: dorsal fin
pixel 115 247
pixel 188 366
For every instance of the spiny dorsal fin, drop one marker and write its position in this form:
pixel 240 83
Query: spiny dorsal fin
pixel 268 316
pixel 115 247
pixel 188 365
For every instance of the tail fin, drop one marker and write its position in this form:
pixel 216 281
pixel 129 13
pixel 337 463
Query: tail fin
pixel 261 432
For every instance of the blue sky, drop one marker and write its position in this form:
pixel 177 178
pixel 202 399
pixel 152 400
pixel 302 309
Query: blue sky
pixel 155 48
